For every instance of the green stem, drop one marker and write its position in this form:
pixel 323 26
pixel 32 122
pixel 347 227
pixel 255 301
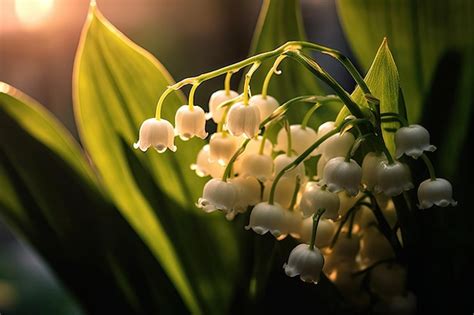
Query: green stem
pixel 228 76
pixel 248 76
pixel 396 116
pixel 329 80
pixel 273 69
pixel 288 138
pixel 191 95
pixel 228 168
pixel 308 151
pixel 308 115
pixel 316 218
pixel 295 193
pixel 261 149
pixel 430 166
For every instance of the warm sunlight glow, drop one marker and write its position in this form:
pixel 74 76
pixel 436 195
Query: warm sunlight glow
pixel 33 12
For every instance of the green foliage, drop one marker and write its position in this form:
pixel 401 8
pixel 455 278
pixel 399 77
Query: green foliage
pixel 384 83
pixel 280 21
pixel 432 44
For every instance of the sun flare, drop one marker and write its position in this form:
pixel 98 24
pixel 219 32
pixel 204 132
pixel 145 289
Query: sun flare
pixel 33 12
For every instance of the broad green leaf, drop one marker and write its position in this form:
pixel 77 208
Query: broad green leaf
pixel 50 196
pixel 433 46
pixel 280 21
pixel 384 83
pixel 116 86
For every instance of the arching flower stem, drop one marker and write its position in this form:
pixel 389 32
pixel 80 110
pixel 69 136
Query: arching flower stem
pixel 316 218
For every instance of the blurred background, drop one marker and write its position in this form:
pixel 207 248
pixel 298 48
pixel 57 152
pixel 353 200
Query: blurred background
pixel 38 40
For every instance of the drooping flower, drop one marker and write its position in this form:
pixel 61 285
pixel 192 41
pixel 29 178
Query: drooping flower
pixel 338 145
pixel 392 179
pixel 306 262
pixel 301 139
pixel 282 160
pixel 254 146
pixel 203 167
pixel 222 147
pixel 156 133
pixel 322 131
pixel 265 104
pixel 257 165
pixel 267 218
pixel 248 194
pixel 369 169
pixel 435 192
pixel 217 98
pixel 340 175
pixel 387 280
pixel 316 198
pixel 243 119
pixel 412 141
pixel 190 122
pixel 283 191
pixel 218 195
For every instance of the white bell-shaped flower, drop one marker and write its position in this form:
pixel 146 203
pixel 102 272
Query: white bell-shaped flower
pixel 217 98
pixel 322 131
pixel 347 202
pixel 346 248
pixel 338 145
pixel 190 122
pixel 316 198
pixel 248 194
pixel 257 165
pixel 156 133
pixel 369 169
pixel 301 139
pixel 305 262
pixel 267 218
pixel 282 160
pixel 218 195
pixel 392 179
pixel 435 192
pixel 412 141
pixel 324 234
pixel 222 147
pixel 243 120
pixel 292 223
pixel 266 105
pixel 254 146
pixel 341 175
pixel 203 167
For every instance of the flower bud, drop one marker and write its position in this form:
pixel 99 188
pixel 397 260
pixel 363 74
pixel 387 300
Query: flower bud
pixel 203 167
pixel 266 105
pixel 338 145
pixel 243 120
pixel 218 195
pixel 222 147
pixel 301 139
pixel 305 262
pixel 321 165
pixel 412 141
pixel 322 131
pixel 157 133
pixel 257 165
pixel 190 122
pixel 324 234
pixel 374 247
pixel 282 160
pixel 369 169
pixel 267 218
pixel 435 192
pixel 317 198
pixel 341 175
pixel 217 98
pixel 392 179
pixel 283 191
pixel 345 249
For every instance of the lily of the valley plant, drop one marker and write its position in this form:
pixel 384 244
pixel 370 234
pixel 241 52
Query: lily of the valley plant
pixel 344 215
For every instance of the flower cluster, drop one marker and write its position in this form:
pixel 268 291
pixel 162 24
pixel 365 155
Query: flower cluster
pixel 340 210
